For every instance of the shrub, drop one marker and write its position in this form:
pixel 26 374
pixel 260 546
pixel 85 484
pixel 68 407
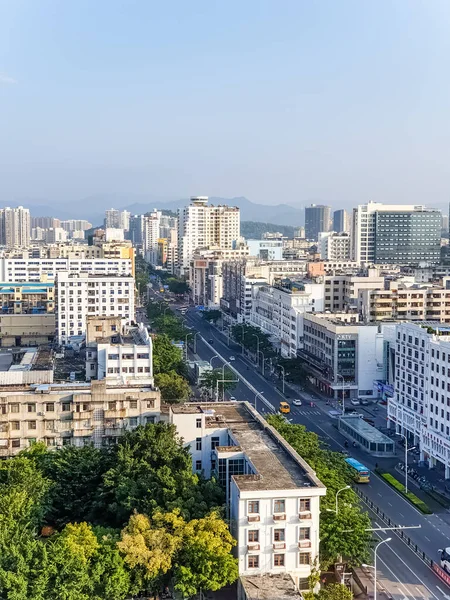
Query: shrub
pixel 417 502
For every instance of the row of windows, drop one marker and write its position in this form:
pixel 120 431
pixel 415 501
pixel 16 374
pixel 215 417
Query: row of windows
pixel 127 369
pixel 279 506
pixel 304 558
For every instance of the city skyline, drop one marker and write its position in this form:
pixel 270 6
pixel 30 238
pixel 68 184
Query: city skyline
pixel 336 104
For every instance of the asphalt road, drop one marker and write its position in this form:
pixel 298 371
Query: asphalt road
pixel 403 573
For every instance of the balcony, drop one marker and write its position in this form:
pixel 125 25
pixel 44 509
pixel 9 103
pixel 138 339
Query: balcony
pixel 279 516
pixel 253 517
pixel 304 544
pixel 279 545
pixel 83 415
pixel 253 546
pixel 83 431
pixel 120 413
pixel 305 515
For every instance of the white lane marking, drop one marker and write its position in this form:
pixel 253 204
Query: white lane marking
pixel 401 515
pixel 444 595
pixel 406 565
pixel 400 584
pixel 380 495
pixel 389 504
pixel 428 539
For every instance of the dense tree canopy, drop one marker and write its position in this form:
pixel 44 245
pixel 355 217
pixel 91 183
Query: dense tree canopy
pixel 218 381
pixel 212 315
pixel 144 484
pixel 173 387
pixel 166 356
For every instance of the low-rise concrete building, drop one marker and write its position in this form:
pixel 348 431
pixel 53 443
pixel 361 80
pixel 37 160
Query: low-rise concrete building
pixel 273 495
pixel 27 329
pixel 343 354
pixel 72 414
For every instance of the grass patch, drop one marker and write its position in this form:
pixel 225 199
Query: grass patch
pixel 396 484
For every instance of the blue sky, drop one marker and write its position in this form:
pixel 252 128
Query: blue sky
pixel 341 101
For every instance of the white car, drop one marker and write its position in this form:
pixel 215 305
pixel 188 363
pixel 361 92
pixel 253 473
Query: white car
pixel 297 402
pixel 232 358
pixel 355 402
pixel 232 399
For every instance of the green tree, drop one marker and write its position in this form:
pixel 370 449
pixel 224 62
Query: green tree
pixel 248 336
pixel 342 534
pixel 76 474
pixel 205 561
pixel 153 470
pixel 177 286
pixel 149 548
pixel 110 576
pixel 173 387
pixel 212 315
pixel 171 326
pixel 333 591
pixel 166 356
pixel 214 380
pixel 71 554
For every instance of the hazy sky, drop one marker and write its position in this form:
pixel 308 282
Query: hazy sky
pixel 342 101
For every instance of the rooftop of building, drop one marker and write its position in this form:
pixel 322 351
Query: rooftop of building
pixel 31 359
pixel 269 587
pixel 277 464
pixel 371 434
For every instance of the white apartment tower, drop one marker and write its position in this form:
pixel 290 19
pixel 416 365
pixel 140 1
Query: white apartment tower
pixel 203 226
pixel 150 236
pixel 15 227
pixel 79 295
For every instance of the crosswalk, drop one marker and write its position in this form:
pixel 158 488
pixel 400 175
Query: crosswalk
pixel 309 411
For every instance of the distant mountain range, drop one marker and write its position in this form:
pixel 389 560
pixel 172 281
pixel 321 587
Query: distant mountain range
pixel 93 208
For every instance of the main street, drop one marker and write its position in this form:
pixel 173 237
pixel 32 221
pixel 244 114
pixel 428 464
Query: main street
pixel 406 574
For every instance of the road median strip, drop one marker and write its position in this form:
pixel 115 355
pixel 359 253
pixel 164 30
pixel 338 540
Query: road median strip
pixel 398 485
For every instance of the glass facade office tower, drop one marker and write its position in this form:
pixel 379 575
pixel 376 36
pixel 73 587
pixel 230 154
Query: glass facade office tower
pixel 317 219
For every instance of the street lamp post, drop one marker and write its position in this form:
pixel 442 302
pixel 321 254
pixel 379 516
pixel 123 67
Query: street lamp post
pixel 186 346
pixel 258 394
pixel 263 359
pixel 225 364
pixel 343 392
pixel 195 341
pixel 257 345
pixel 212 358
pixel 243 337
pixel 347 487
pixel 282 368
pixel 374 567
pixel 403 435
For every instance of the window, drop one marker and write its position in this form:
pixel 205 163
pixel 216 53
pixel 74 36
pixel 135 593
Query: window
pixel 111 405
pixel 215 441
pixel 278 560
pixel 31 424
pixel 304 533
pixel 198 465
pixel 253 561
pixel 150 404
pixel 150 420
pixel 279 506
pixel 31 407
pixel 15 444
pixel 15 425
pixel 14 408
pixel 279 535
pixel 305 504
pixel 198 443
pixel 133 421
pixel 198 423
pixel 253 535
pixel 304 558
pixel 50 406
pixel 133 404
pixel 50 425
pixel 253 506
pixel 66 407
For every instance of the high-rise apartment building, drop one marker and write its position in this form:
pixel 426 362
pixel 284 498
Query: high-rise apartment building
pixel 396 233
pixel 205 226
pixel 74 225
pixel 317 219
pixel 341 221
pixel 334 246
pixel 151 236
pixel 112 218
pixel 79 295
pixel 136 230
pixel 45 222
pixel 15 227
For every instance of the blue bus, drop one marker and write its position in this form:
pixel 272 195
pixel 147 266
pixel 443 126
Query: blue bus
pixel 361 474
